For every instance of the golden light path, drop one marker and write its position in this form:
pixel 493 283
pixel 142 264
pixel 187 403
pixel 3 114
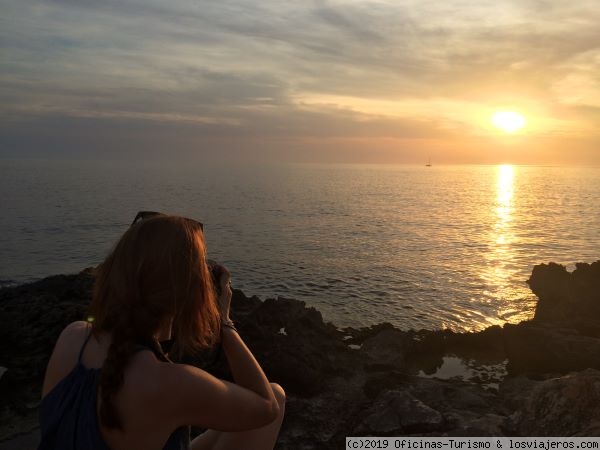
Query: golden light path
pixel 500 298
pixel 504 187
pixel 501 257
pixel 509 121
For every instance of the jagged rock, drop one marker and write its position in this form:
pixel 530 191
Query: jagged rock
pixel 387 379
pixel 536 349
pixel 373 389
pixel 568 299
pixel 565 406
pixel 387 347
pixel 513 390
pixel 485 343
pixel 396 412
pixel 359 335
pixel 305 354
pixel 446 395
pixel 32 317
pixel 322 421
pixel 469 424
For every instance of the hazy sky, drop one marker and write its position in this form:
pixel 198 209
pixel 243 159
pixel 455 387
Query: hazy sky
pixel 355 81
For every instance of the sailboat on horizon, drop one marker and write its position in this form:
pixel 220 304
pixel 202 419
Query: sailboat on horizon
pixel 428 162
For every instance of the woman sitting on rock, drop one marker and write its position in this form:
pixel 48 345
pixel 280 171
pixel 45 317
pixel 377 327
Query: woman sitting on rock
pixel 109 383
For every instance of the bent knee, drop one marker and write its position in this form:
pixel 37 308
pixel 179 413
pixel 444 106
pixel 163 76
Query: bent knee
pixel 279 394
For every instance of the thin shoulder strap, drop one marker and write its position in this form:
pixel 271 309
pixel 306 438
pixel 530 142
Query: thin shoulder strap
pixel 83 346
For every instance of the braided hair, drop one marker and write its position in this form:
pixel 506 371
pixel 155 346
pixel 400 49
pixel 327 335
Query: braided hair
pixel 156 272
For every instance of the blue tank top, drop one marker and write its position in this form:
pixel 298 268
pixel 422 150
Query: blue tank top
pixel 68 419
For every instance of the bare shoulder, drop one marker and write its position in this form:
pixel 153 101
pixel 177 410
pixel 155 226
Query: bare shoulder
pixel 65 353
pixel 75 328
pixel 71 339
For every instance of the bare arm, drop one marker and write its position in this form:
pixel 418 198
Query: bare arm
pixel 245 369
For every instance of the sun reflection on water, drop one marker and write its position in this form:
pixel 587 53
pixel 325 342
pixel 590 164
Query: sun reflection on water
pixel 504 208
pixel 501 267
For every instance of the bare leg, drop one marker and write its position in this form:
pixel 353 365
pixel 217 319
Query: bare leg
pixel 263 438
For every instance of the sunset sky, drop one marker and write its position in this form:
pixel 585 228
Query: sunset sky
pixel 396 81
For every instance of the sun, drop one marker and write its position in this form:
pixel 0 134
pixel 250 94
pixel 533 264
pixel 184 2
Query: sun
pixel 509 121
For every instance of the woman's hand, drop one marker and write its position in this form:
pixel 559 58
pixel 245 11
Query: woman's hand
pixel 224 300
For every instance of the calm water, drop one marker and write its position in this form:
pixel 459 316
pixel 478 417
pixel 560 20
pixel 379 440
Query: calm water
pixel 419 247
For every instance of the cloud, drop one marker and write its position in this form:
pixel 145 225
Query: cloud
pixel 239 68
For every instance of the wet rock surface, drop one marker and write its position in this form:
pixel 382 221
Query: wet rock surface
pixel 370 381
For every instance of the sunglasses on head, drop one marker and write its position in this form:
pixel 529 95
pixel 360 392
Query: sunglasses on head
pixel 143 215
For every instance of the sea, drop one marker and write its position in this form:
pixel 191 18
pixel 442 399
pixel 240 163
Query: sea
pixel 419 247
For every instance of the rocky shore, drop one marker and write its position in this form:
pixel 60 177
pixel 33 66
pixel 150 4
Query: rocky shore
pixel 537 378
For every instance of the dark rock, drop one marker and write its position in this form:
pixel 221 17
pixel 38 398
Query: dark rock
pixel 395 412
pixel 469 424
pixel 32 317
pixel 386 380
pixel 359 335
pixel 241 305
pixel 536 349
pixel 323 421
pixel 446 395
pixel 568 299
pixel 304 354
pixel 565 406
pixel 512 391
pixel 334 391
pixel 486 343
pixel 388 346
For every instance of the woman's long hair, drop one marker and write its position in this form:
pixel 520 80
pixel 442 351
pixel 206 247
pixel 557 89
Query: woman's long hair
pixel 155 273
